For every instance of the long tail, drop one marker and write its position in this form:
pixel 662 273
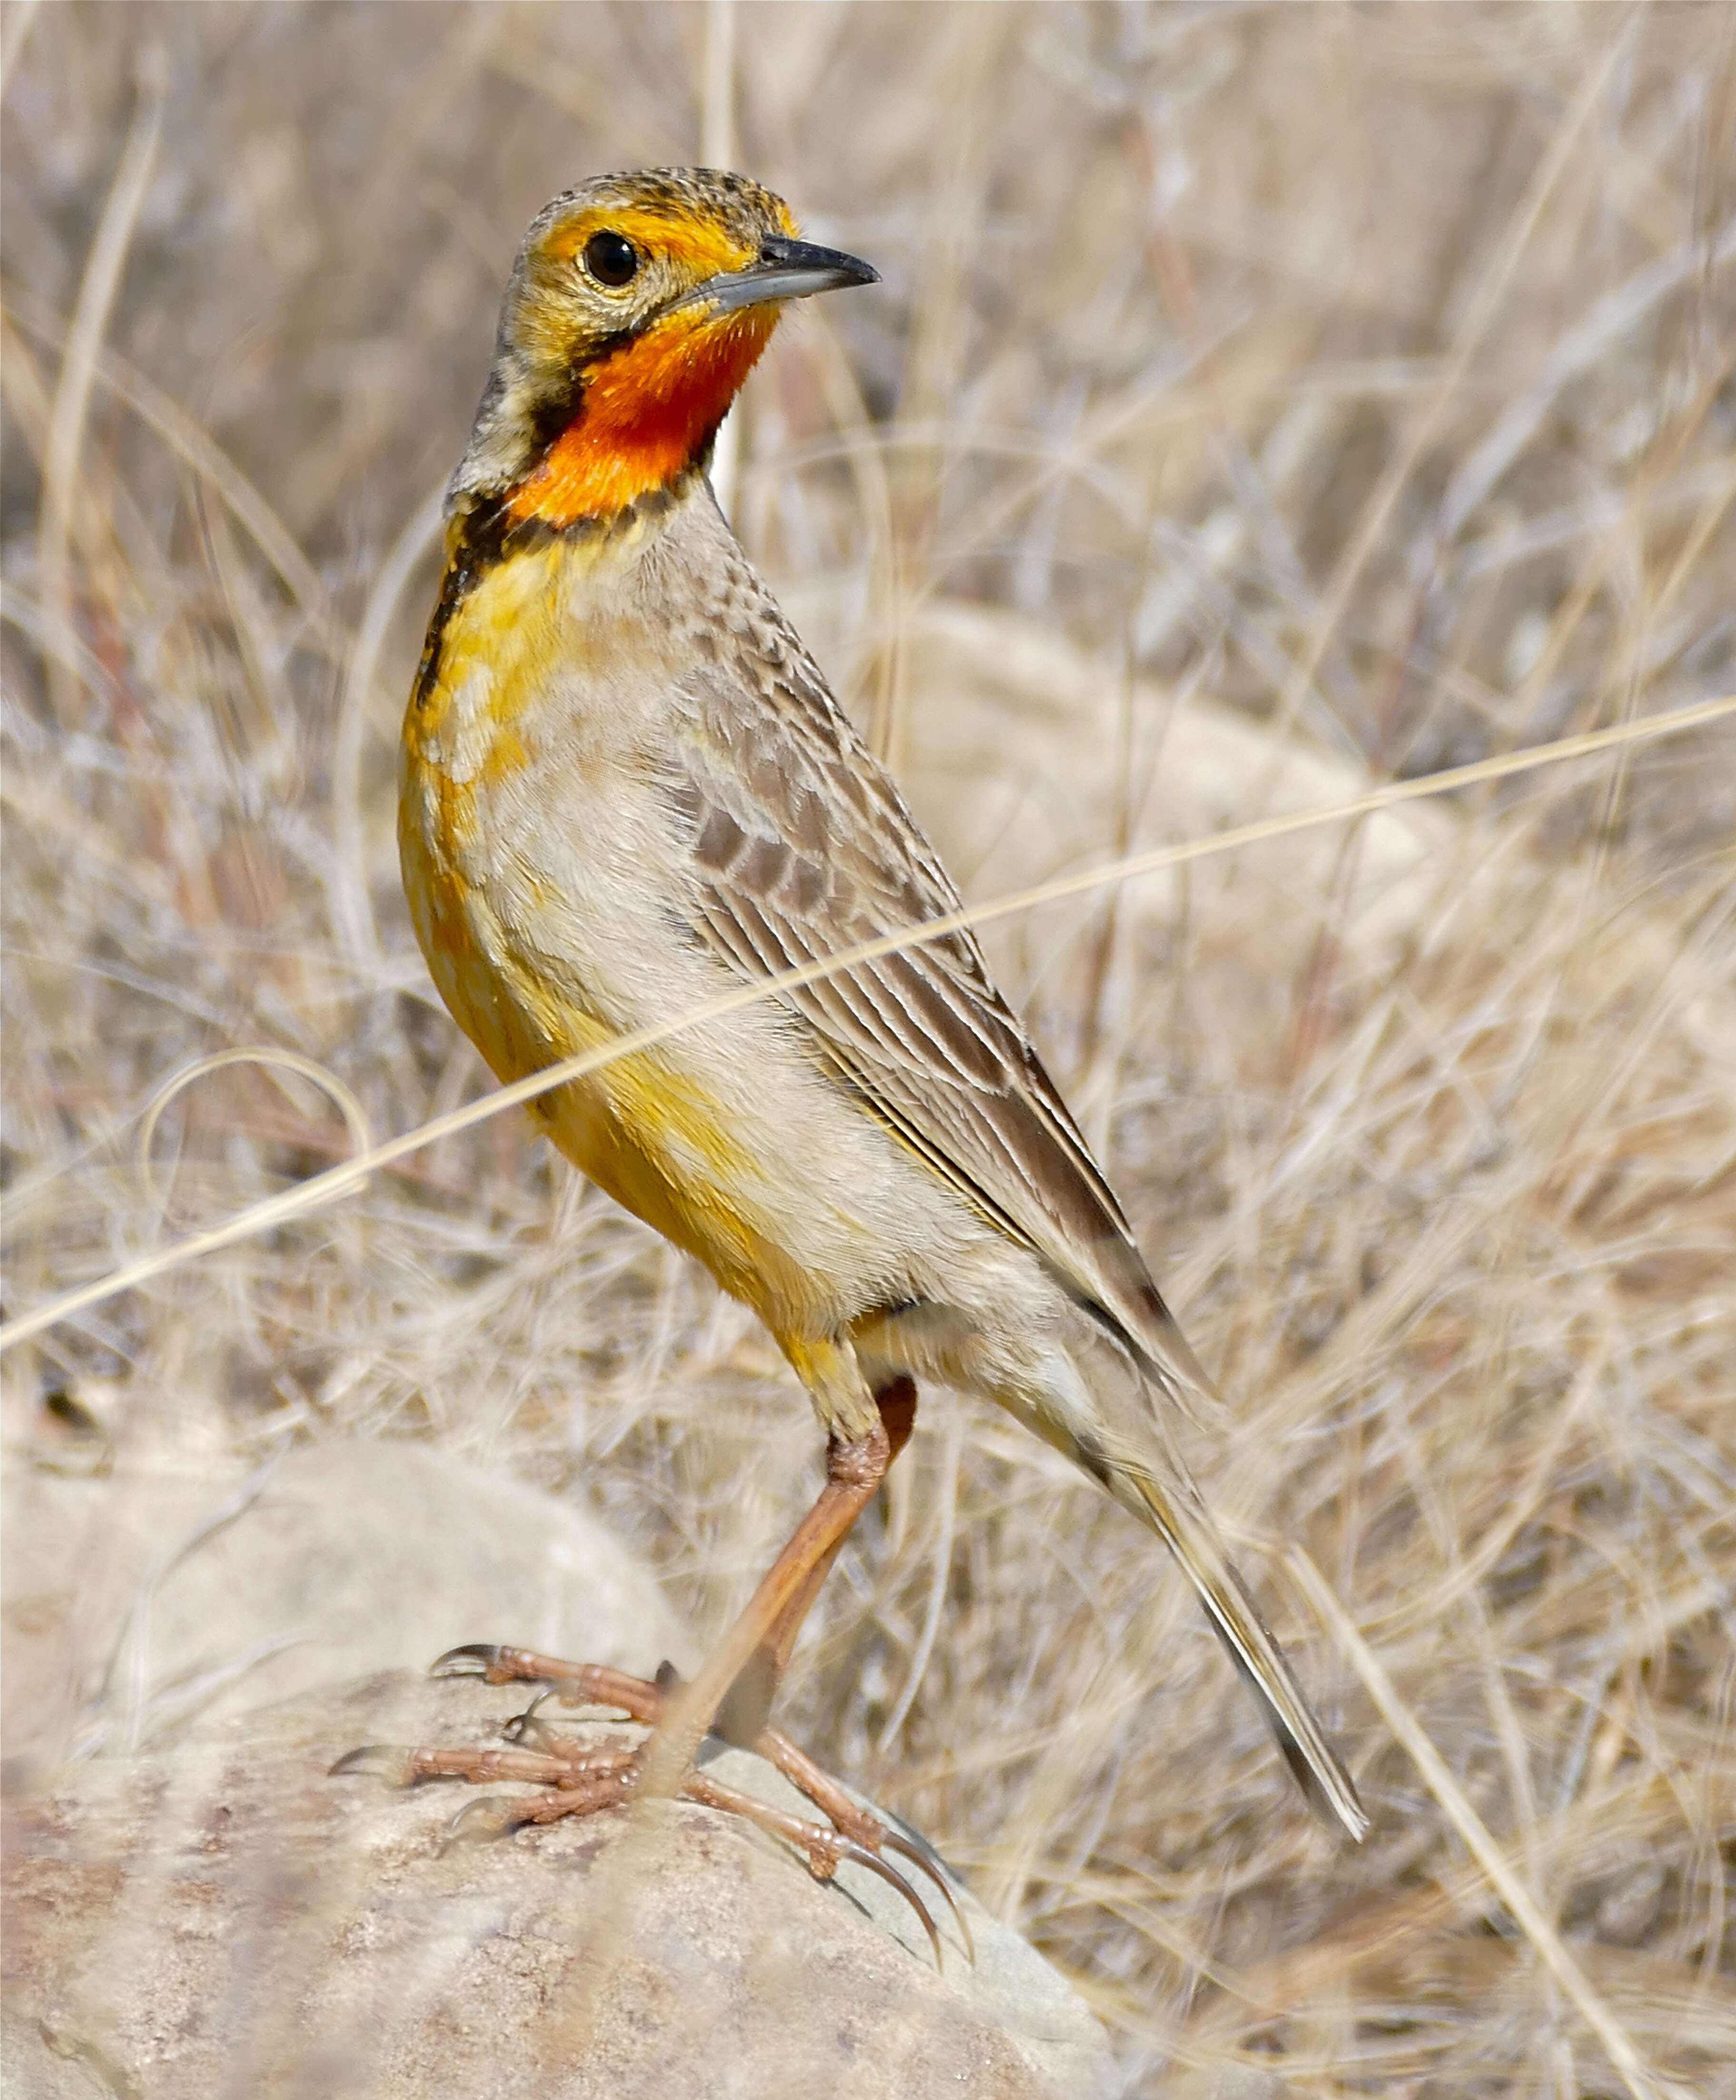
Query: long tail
pixel 1112 1412
pixel 1118 1427
pixel 1181 1520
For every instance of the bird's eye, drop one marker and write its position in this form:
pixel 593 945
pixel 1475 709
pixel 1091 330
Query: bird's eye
pixel 611 258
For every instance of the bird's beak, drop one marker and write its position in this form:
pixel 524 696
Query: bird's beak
pixel 785 269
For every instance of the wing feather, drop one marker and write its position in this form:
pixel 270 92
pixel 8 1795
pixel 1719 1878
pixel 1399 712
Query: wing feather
pixel 802 847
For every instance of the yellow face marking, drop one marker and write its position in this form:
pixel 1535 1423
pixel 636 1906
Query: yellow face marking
pixel 646 408
pixel 699 247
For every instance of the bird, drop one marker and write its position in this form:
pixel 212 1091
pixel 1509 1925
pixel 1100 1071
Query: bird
pixel 626 791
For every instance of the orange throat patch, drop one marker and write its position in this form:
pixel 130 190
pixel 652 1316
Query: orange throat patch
pixel 645 414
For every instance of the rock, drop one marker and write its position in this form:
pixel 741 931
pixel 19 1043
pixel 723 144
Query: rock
pixel 141 1602
pixel 223 1918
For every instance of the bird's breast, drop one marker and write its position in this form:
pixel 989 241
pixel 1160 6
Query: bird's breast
pixel 534 818
pixel 544 867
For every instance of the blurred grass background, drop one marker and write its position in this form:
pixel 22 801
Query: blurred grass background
pixel 1365 372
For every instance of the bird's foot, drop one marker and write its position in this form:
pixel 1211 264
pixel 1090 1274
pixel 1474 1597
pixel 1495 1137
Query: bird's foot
pixel 578 1778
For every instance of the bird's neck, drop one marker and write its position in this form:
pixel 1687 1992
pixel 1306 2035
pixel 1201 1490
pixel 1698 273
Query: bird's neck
pixel 642 419
pixel 535 568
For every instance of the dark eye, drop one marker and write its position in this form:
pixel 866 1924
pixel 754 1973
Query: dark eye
pixel 611 258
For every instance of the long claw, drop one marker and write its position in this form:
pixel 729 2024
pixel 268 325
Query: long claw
pixel 585 1781
pixel 896 1842
pixel 384 1761
pixel 527 1727
pixel 490 1815
pixel 859 1855
pixel 456 1661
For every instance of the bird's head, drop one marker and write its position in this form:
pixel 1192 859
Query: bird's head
pixel 637 304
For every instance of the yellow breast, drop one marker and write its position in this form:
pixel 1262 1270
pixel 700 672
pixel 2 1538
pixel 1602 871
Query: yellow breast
pixel 643 1127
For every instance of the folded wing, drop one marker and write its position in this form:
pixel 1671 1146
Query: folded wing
pixel 804 848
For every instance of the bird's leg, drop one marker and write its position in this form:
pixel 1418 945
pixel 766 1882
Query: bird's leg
pixel 786 1593
pixel 579 1782
pixel 742 1712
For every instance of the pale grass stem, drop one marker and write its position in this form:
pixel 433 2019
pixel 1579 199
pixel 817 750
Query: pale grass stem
pixel 338 1180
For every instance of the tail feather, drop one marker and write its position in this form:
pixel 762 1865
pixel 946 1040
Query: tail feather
pixel 1181 1520
pixel 1113 1412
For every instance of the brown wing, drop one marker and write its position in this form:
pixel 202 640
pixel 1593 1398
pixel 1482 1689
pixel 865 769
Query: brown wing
pixel 804 848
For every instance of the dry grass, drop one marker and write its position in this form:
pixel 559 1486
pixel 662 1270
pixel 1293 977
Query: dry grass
pixel 1369 368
